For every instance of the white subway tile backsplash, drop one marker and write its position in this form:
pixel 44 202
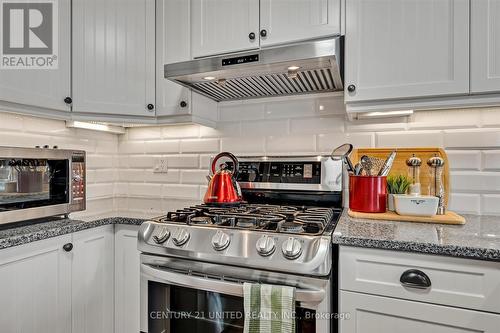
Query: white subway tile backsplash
pixel 297 144
pixel 243 145
pixel 410 139
pixel 145 189
pixel 264 127
pixel 138 161
pixel 490 117
pixel 194 177
pixel 465 203
pixel 182 161
pixel 316 125
pixel 240 111
pixel 131 147
pixel 327 142
pixel 148 176
pixel 143 133
pixel 100 190
pixel 11 122
pixel 161 147
pixel 98 161
pixel 464 159
pixel 180 131
pixel 465 181
pixel 181 191
pixel 477 138
pixel 199 146
pixel 491 160
pixel 222 130
pixel 491 204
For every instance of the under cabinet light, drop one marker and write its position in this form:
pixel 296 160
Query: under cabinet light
pixel 95 127
pixel 384 114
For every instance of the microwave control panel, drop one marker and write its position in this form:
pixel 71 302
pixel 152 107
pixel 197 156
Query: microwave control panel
pixel 78 182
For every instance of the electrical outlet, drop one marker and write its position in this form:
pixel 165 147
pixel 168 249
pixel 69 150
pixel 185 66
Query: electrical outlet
pixel 161 165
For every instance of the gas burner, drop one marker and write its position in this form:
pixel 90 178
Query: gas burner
pixel 292 227
pixel 200 220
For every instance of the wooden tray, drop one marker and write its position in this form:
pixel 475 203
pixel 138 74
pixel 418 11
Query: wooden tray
pixel 448 218
pixel 400 168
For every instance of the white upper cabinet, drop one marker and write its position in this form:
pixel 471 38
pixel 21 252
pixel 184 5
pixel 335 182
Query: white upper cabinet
pixel 114 57
pixel 404 49
pixel 172 45
pixel 485 46
pixel 284 21
pixel 43 88
pixel 221 26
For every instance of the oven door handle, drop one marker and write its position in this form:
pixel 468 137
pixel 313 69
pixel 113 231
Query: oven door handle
pixel 219 286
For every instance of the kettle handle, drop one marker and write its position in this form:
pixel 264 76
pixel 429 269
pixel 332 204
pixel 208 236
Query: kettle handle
pixel 229 155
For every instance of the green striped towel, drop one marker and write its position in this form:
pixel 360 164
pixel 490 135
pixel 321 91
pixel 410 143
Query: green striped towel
pixel 269 308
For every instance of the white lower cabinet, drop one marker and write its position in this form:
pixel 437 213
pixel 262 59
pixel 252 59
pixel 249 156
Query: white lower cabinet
pixel 35 287
pixel 127 279
pixel 92 280
pixel 384 291
pixel 375 314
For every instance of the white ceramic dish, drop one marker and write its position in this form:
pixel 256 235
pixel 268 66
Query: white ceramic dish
pixel 416 205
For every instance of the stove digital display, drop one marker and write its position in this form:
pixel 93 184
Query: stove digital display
pixel 280 172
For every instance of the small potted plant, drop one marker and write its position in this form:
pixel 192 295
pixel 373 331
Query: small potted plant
pixel 396 185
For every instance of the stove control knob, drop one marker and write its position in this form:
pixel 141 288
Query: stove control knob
pixel 220 241
pixel 266 246
pixel 292 248
pixel 162 236
pixel 180 237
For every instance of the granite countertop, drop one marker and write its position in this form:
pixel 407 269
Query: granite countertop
pixel 478 238
pixel 26 232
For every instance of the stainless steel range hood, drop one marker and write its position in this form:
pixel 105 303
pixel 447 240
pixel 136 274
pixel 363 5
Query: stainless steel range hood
pixel 308 67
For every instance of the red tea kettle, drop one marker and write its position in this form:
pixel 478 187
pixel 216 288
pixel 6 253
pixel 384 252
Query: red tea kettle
pixel 223 188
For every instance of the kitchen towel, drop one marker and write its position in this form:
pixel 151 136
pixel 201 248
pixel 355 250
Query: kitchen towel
pixel 269 308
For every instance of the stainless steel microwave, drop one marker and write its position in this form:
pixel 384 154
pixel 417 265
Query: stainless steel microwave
pixel 40 182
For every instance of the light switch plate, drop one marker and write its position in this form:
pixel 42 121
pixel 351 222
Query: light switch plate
pixel 161 165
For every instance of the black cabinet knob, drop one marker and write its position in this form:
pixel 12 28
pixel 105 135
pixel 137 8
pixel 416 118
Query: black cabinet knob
pixel 68 247
pixel 251 36
pixel 351 88
pixel 183 104
pixel 68 100
pixel 263 33
pixel 150 107
pixel 413 278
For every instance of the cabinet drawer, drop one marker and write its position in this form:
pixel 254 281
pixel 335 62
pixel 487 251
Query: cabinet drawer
pixel 465 283
pixel 375 314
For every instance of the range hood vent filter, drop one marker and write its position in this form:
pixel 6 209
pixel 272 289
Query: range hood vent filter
pixel 319 80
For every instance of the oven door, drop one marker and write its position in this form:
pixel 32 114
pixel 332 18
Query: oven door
pixel 174 300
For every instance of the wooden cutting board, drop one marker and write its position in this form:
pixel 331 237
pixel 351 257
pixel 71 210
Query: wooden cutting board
pixel 400 168
pixel 448 218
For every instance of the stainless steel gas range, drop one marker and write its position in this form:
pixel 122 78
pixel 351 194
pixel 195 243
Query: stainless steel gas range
pixel 195 260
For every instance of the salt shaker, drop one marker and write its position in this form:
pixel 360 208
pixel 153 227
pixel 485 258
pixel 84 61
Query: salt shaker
pixel 436 187
pixel 414 164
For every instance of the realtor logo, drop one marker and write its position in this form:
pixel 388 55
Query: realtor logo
pixel 29 34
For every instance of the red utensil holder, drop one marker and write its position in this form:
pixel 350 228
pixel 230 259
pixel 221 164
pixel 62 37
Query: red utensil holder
pixel 368 194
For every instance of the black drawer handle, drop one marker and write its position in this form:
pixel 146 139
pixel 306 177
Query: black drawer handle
pixel 68 247
pixel 413 278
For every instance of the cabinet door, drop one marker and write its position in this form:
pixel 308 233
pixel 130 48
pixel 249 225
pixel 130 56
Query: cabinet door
pixel 485 46
pixel 374 314
pixel 44 88
pixel 35 284
pixel 92 282
pixel 173 44
pixel 403 49
pixel 288 21
pixel 127 280
pixel 114 57
pixel 222 26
